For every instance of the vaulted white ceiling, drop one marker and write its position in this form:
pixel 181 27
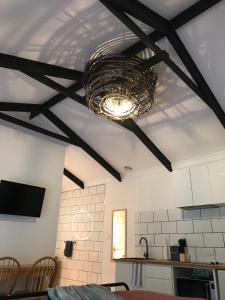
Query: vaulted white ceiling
pixel 68 32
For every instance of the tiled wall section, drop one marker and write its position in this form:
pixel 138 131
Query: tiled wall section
pixel 204 230
pixel 81 218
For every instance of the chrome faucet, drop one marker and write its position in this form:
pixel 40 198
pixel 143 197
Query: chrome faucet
pixel 146 254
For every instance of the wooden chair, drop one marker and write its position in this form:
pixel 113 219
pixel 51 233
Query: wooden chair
pixel 41 274
pixel 9 270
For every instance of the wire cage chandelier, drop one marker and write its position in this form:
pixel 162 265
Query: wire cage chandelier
pixel 119 87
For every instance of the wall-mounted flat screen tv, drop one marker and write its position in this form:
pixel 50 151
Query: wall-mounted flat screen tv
pixel 21 199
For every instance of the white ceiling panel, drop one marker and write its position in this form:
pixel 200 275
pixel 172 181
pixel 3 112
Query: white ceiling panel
pixel 68 33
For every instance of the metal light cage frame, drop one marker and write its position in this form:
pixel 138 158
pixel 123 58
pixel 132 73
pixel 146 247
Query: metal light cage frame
pixel 120 78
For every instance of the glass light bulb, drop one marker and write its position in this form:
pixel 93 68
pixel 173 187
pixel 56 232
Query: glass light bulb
pixel 118 107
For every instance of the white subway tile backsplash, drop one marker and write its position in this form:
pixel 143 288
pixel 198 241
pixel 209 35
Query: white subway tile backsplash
pixel 175 237
pixel 156 252
pixel 160 215
pixel 192 214
pixel 154 227
pixel 220 255
pixel 98 246
pixel 204 230
pixel 97 267
pixel 192 254
pixel 92 190
pixel 84 255
pixel 101 189
pixel 99 226
pixel 99 207
pixel 146 216
pixel 137 239
pixel 92 277
pixel 138 217
pixel 82 276
pixel 161 239
pixel 175 214
pixel 93 256
pixel 184 226
pixel 151 239
pixel 76 193
pixel 205 255
pixel 141 228
pixel 194 240
pixel 81 218
pixel 212 212
pixel 169 227
pixel 213 240
pixel 202 225
pixel 222 211
pixel 218 225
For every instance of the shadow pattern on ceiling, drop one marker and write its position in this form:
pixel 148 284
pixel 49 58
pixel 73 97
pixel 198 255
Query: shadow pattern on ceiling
pixel 124 12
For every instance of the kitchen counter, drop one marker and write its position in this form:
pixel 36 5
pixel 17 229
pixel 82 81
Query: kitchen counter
pixel 173 263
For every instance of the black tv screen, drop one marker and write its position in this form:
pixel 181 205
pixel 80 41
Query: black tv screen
pixel 21 199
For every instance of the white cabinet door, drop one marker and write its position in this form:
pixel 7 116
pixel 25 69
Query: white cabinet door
pixel 157 271
pixel 182 187
pixel 200 185
pixel 217 181
pixel 158 279
pixel 159 285
pixel 124 273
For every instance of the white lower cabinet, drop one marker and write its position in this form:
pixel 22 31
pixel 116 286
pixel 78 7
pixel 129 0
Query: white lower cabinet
pixel 158 279
pixel 155 278
pixel 158 285
pixel 124 273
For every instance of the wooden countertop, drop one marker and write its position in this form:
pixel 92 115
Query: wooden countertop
pixel 173 263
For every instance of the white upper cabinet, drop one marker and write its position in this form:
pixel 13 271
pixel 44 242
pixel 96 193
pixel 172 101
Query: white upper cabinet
pixel 182 187
pixel 200 185
pixel 217 181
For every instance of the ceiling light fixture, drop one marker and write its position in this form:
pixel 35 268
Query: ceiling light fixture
pixel 119 87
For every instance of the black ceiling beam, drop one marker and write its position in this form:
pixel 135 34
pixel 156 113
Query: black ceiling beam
pixel 208 96
pixel 200 87
pixel 150 44
pixel 175 23
pixel 37 129
pixel 23 107
pixel 155 59
pixel 28 65
pixel 143 13
pixel 136 130
pixel 56 99
pixel 74 137
pixel 73 178
pixel 55 86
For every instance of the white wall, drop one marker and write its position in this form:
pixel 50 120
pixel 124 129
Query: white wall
pixel 36 161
